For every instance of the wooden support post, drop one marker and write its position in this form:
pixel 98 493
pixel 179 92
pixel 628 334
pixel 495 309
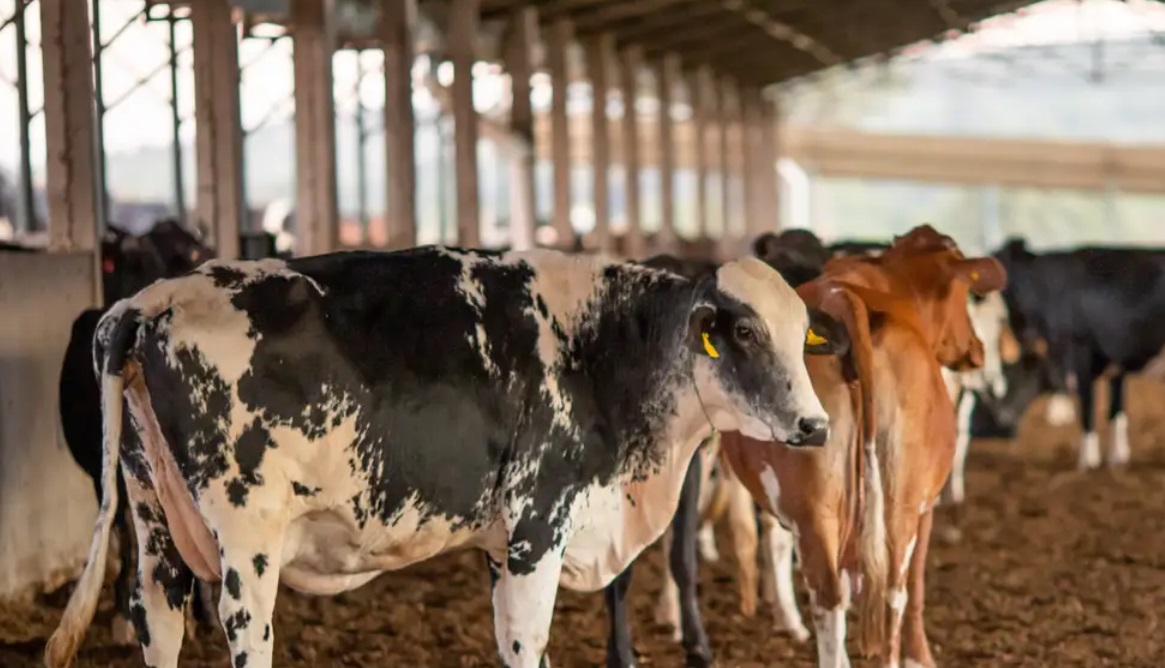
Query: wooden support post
pixel 70 147
pixel 722 119
pixel 666 78
pixel 556 51
pixel 398 22
pixel 600 52
pixel 769 183
pixel 218 125
pixel 751 159
pixel 316 204
pixel 463 21
pixel 521 37
pixel 735 167
pixel 698 99
pixel 630 62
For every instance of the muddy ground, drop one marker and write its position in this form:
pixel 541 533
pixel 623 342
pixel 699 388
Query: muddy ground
pixel 1053 569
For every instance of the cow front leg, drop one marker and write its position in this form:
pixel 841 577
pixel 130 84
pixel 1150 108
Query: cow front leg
pixel 829 594
pixel 777 577
pixel 1088 456
pixel 915 645
pixel 1118 453
pixel 158 604
pixel 684 568
pixel 523 597
pixel 620 649
pixel 955 490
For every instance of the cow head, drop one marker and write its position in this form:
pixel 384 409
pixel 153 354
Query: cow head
pixel 749 332
pixel 932 264
pixel 797 255
pixel 989 320
pixel 130 263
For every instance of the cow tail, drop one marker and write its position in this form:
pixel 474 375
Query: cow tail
pixel 873 552
pixel 123 323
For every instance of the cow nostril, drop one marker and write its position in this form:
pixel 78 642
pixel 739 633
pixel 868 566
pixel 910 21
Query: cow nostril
pixel 808 426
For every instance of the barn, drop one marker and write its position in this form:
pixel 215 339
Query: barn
pixel 148 136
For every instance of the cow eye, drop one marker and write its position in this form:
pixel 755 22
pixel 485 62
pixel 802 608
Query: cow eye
pixel 744 333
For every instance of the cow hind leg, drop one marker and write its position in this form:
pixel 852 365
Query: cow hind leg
pixel 123 586
pixel 1118 453
pixel 915 645
pixel 707 540
pixel 667 608
pixel 904 542
pixel 250 547
pixel 164 583
pixel 684 568
pixel 777 577
pixel 1089 454
pixel 743 528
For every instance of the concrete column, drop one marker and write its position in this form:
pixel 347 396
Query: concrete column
pixel 667 75
pixel 521 37
pixel 463 21
pixel 561 35
pixel 698 98
pixel 316 204
pixel 398 21
pixel 630 62
pixel 600 53
pixel 218 125
pixel 70 123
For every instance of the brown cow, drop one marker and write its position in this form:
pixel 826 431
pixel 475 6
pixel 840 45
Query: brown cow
pixel 863 505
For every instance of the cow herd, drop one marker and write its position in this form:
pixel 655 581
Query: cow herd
pixel 315 422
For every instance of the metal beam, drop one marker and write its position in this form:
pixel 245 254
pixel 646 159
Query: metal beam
pixel 608 16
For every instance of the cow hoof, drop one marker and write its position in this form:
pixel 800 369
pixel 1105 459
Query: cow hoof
pixel 951 535
pixel 122 631
pixel 1060 411
pixel 699 661
pixel 798 633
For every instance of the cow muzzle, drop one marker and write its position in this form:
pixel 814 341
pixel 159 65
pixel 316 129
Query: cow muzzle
pixel 810 432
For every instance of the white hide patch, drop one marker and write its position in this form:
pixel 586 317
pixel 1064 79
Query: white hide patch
pixel 1061 410
pixel 1119 454
pixel 768 479
pixel 1089 455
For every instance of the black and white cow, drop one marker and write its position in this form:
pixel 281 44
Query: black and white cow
pixel 129 263
pixel 319 421
pixel 1097 308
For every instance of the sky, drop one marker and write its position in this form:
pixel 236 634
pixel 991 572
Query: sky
pixel 143 118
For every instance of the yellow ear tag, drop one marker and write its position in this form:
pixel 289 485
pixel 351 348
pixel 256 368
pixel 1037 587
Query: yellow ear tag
pixel 974 275
pixel 709 348
pixel 812 339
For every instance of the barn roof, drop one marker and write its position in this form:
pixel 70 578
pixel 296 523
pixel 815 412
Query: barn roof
pixel 756 42
pixel 759 42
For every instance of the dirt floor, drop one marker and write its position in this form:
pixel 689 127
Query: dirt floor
pixel 1053 569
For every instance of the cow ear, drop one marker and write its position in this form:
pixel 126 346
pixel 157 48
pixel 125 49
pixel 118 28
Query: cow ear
pixel 826 335
pixel 700 322
pixel 986 274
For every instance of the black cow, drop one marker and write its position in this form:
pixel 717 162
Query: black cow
pixel 129 263
pixel 1096 308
